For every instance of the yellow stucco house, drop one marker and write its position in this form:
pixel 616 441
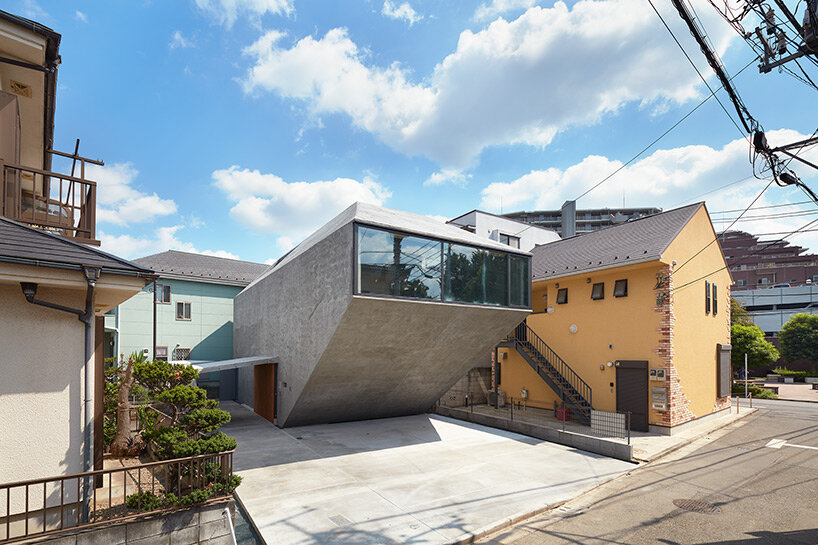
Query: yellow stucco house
pixel 634 318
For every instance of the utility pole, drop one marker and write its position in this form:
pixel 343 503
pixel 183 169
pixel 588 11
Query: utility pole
pixel 745 376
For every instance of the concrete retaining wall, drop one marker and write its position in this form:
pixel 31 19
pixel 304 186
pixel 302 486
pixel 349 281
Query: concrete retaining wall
pixel 597 445
pixel 202 525
pixel 476 383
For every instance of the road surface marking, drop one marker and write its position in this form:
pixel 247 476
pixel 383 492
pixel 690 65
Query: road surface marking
pixel 778 443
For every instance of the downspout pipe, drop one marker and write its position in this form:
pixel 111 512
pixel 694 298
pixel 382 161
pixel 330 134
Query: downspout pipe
pixel 86 316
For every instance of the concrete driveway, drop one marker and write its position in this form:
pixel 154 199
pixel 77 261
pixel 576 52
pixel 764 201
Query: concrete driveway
pixel 417 479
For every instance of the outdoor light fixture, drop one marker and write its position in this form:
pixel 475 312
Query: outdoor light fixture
pixel 29 289
pixel 573 328
pixel 610 364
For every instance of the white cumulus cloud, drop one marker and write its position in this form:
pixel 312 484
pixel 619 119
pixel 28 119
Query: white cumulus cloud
pixel 290 211
pixel 515 82
pixel 163 239
pixel 227 12
pixel 403 11
pixel 498 7
pixel 667 178
pixel 119 202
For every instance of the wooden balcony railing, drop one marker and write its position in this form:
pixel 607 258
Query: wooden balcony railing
pixel 61 203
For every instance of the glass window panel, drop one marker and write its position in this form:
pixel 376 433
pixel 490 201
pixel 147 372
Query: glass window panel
pixel 621 288
pixel 598 291
pixel 398 265
pixel 520 281
pixel 562 296
pixel 476 276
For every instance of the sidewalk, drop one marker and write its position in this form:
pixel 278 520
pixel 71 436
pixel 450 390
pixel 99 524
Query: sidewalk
pixel 643 447
pixel 797 391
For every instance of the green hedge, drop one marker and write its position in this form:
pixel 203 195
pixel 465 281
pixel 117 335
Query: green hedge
pixel 756 391
pixel 797 375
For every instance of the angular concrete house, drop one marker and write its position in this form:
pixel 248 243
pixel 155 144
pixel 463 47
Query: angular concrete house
pixel 374 315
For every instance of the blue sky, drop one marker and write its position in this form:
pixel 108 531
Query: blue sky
pixel 236 127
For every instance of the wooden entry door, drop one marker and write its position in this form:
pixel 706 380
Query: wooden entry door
pixel 632 392
pixel 264 390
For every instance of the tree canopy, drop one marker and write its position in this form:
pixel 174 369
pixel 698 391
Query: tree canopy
pixel 798 339
pixel 739 314
pixel 749 339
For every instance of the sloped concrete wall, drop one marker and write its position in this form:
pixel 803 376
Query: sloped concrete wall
pixel 343 358
pixel 292 314
pixel 391 357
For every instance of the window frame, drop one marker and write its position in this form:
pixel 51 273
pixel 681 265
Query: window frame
pixel 509 239
pixel 707 297
pixel 598 296
pixel 190 311
pixel 442 241
pixel 715 300
pixel 163 288
pixel 562 300
pixel 617 283
pixel 156 355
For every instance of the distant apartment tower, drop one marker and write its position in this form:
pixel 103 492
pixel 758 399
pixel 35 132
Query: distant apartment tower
pixel 757 264
pixel 587 220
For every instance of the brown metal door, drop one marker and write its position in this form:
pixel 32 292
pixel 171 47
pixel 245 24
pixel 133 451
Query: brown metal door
pixel 632 392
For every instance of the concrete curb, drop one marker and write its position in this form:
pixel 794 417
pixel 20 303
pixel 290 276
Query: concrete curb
pixel 588 443
pixel 662 453
pixel 791 400
pixel 514 519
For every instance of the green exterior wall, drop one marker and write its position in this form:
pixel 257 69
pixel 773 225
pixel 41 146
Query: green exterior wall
pixel 209 332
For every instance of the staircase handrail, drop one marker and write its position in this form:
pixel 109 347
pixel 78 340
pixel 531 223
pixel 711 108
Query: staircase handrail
pixel 555 360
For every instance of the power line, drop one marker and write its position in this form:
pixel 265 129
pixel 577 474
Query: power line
pixel 706 246
pixel 781 215
pixel 646 148
pixel 763 207
pixel 792 233
pixel 726 87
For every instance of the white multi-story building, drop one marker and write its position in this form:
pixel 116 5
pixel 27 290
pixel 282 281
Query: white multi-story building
pixel 504 230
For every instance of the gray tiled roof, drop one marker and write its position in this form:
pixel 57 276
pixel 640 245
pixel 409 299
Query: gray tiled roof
pixel 636 241
pixel 174 263
pixel 23 244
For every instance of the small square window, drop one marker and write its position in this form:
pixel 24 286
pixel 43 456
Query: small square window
pixel 161 353
pixel 182 311
pixel 621 288
pixel 562 296
pixel 162 293
pixel 598 291
pixel 706 297
pixel 715 301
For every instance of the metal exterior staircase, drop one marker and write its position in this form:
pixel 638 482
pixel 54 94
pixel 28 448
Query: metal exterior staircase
pixel 575 392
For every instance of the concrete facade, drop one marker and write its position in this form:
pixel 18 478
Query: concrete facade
pixel 349 357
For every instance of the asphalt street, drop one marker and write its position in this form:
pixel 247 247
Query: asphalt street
pixel 754 481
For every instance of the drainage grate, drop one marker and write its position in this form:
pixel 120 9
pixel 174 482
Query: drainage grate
pixel 697 506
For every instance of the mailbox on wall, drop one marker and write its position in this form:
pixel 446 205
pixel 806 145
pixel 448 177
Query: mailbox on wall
pixel 658 399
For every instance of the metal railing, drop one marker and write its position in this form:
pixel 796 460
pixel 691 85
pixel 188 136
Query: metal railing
pixel 568 379
pixel 62 203
pixel 44 506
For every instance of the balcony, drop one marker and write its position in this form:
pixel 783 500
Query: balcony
pixel 64 204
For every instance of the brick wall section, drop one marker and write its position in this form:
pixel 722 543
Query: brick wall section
pixel 202 525
pixel 678 404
